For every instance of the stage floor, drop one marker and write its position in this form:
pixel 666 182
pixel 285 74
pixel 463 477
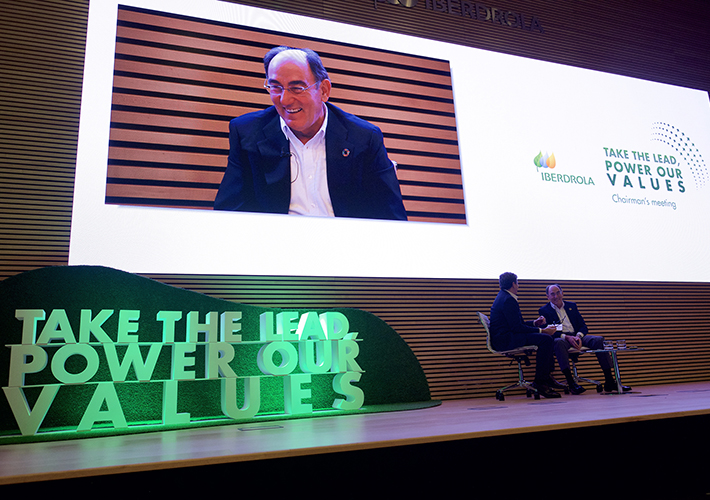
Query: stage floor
pixel 453 420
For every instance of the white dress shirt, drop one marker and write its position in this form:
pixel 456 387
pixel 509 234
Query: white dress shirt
pixel 567 328
pixel 309 174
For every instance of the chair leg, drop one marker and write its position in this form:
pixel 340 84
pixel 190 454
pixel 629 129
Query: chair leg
pixel 579 379
pixel 530 390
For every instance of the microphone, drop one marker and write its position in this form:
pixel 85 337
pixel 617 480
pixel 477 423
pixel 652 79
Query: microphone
pixel 285 153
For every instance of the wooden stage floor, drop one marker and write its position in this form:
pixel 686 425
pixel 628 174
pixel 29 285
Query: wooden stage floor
pixel 460 420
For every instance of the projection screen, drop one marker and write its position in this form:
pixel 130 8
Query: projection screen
pixel 505 163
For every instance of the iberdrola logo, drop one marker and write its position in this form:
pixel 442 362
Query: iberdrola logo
pixel 548 162
pixel 544 161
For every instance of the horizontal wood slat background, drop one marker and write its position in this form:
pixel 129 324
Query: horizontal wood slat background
pixel 437 318
pixel 178 81
pixel 41 66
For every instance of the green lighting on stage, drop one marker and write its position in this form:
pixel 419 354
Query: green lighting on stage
pixel 95 351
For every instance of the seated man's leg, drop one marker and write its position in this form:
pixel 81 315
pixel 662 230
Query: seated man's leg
pixel 596 343
pixel 562 354
pixel 544 362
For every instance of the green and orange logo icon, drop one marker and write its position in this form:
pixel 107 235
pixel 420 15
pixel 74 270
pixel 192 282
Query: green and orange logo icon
pixel 545 161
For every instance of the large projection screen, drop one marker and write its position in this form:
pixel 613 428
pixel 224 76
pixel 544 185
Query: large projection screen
pixel 562 172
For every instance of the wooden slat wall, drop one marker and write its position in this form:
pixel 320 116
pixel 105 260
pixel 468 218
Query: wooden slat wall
pixel 178 81
pixel 41 69
pixel 438 320
pixel 41 63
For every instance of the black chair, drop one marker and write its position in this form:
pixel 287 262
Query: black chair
pixel 519 355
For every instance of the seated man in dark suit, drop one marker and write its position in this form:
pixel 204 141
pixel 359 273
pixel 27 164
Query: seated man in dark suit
pixel 574 333
pixel 508 331
pixel 305 156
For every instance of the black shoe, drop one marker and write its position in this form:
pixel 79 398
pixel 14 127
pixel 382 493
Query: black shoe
pixel 545 391
pixel 575 388
pixel 612 387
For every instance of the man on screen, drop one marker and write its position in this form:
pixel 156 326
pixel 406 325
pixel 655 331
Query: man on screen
pixel 508 331
pixel 574 333
pixel 305 156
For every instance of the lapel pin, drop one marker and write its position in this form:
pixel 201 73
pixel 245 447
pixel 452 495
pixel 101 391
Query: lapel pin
pixel 346 152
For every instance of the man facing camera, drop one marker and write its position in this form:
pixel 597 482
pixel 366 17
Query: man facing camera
pixel 574 333
pixel 304 156
pixel 508 331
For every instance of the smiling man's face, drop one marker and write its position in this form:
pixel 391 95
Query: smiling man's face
pixel 554 295
pixel 304 113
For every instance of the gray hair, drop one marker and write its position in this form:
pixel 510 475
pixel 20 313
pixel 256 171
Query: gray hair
pixel 314 61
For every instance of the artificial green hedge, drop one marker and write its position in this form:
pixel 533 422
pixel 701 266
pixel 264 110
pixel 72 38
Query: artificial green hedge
pixel 390 379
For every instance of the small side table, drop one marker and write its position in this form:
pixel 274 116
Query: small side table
pixel 614 358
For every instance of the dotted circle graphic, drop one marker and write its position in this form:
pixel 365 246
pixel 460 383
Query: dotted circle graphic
pixel 686 149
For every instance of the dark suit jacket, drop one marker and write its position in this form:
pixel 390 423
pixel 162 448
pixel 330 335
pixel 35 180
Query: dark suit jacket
pixel 507 323
pixel 361 178
pixel 572 312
